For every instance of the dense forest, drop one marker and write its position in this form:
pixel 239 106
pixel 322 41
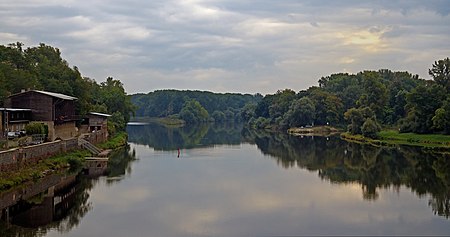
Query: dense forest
pixel 362 102
pixel 193 106
pixel 43 68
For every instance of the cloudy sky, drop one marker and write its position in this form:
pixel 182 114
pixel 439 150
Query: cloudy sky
pixel 244 46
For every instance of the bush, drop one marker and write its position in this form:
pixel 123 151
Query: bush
pixel 370 128
pixel 35 128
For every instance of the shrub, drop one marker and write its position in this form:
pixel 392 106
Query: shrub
pixel 35 128
pixel 370 128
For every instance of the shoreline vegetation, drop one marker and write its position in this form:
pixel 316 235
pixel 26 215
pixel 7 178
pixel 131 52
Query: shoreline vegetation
pixel 70 162
pixel 314 131
pixel 435 142
pixel 387 137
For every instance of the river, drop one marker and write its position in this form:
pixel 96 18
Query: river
pixel 225 180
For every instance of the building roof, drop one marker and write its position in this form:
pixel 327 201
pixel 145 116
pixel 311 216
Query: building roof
pixel 52 94
pixel 100 114
pixel 57 95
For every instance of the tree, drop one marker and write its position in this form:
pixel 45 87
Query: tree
pixel 328 107
pixel 116 123
pixel 440 72
pixel 370 128
pixel 441 118
pixel 112 94
pixel 194 112
pixel 357 118
pixel 280 103
pixel 301 112
pixel 422 103
pixel 248 112
pixel 218 116
pixel 375 93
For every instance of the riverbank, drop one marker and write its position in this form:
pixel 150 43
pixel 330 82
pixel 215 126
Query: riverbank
pixel 314 131
pixel 436 142
pixel 68 162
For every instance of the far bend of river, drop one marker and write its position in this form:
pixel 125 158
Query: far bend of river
pixel 230 181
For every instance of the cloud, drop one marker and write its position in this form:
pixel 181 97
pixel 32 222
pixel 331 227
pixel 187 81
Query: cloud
pixel 262 46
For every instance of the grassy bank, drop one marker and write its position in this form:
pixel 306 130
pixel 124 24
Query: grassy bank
pixel 433 140
pixel 60 163
pixel 68 162
pixel 118 140
pixel 392 137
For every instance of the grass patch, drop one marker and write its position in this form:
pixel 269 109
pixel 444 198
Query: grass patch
pixel 423 139
pixel 118 140
pixel 69 162
pixel 435 142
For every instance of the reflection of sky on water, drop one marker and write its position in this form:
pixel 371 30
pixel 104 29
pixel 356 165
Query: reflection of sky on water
pixel 237 191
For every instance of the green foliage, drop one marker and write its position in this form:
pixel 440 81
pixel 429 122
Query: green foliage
pixel 193 112
pixel 328 107
pixel 35 128
pixel 112 95
pixel 416 139
pixel 301 112
pixel 357 117
pixel 261 123
pixel 117 140
pixel 385 97
pixel 116 123
pixel 374 93
pixel 441 119
pixel 440 72
pixel 164 103
pixel 422 103
pixel 370 128
pixel 248 112
pixel 219 116
pixel 43 68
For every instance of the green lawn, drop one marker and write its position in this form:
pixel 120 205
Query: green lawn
pixel 411 138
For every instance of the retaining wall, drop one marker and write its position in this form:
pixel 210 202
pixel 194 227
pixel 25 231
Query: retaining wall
pixel 16 158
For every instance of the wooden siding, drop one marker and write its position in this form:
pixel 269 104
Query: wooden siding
pixel 43 107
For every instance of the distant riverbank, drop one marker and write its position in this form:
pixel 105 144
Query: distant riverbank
pixel 314 131
pixel 391 137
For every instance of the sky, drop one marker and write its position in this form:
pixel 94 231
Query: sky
pixel 239 46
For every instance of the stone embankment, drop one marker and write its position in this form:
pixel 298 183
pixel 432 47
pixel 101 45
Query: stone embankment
pixel 14 159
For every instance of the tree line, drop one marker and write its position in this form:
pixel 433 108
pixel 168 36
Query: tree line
pixel 364 101
pixel 193 106
pixel 43 68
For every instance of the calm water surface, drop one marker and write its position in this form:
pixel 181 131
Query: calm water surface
pixel 229 181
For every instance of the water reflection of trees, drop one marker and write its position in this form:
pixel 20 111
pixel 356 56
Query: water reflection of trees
pixel 373 167
pixel 119 163
pixel 79 207
pixel 69 217
pixel 334 159
pixel 201 135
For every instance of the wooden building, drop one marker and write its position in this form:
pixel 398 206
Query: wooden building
pixel 13 120
pixel 55 110
pixel 97 125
